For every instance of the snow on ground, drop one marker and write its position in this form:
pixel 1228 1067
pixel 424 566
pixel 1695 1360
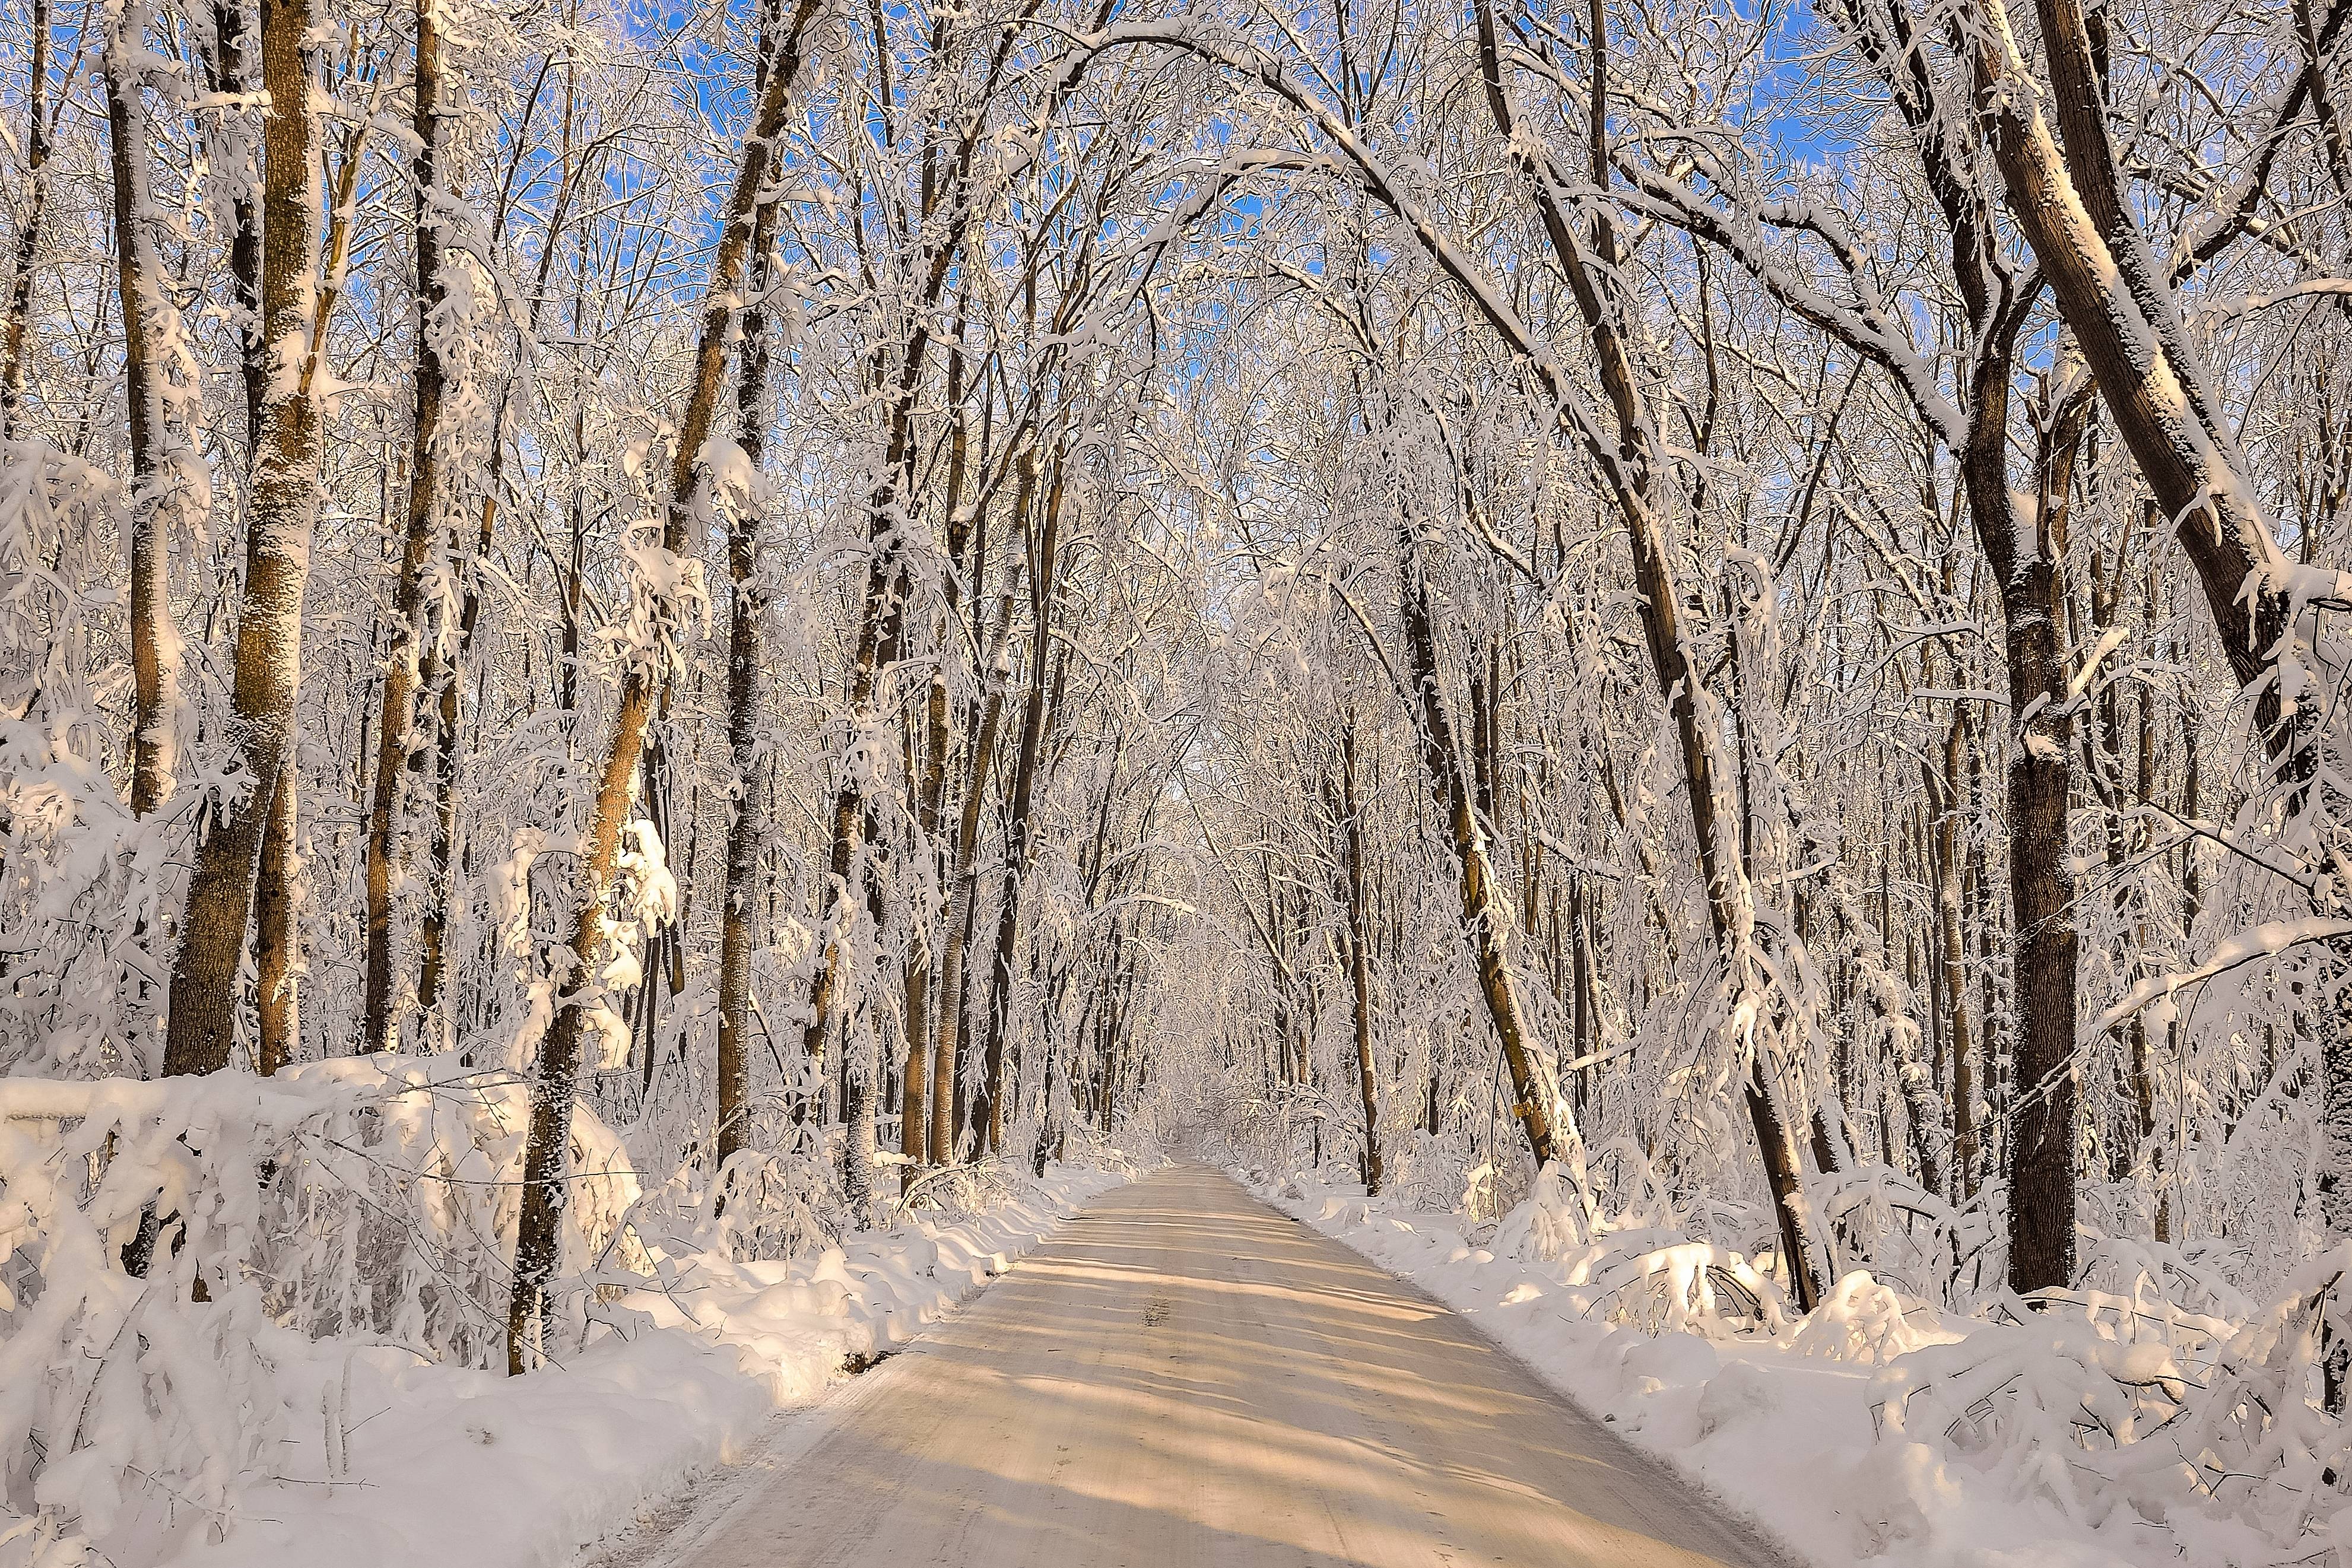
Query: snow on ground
pixel 442 1467
pixel 1783 1434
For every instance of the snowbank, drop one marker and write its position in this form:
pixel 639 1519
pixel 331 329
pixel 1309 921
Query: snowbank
pixel 390 1461
pixel 1781 1426
pixel 245 1320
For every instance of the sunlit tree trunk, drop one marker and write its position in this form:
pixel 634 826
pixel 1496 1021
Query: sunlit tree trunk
pixel 2069 200
pixel 277 935
pixel 283 505
pixel 396 723
pixel 158 464
pixel 1485 918
pixel 555 1081
pixel 915 1117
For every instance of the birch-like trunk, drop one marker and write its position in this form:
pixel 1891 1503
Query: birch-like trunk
pixel 160 467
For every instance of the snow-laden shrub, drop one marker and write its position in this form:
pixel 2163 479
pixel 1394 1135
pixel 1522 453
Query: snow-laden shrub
pixel 1442 1172
pixel 157 1237
pixel 110 1385
pixel 1645 1280
pixel 763 1203
pixel 88 885
pixel 2103 1403
pixel 1866 1322
pixel 1636 1271
pixel 1912 1238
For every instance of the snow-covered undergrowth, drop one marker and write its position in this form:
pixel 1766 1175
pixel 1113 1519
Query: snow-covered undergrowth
pixel 304 1370
pixel 2102 1429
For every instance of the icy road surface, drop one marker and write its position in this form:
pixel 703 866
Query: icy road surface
pixel 1184 1376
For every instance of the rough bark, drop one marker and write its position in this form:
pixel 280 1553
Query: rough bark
pixel 1358 958
pixel 283 506
pixel 276 935
pixel 15 329
pixel 2041 865
pixel 2071 208
pixel 745 827
pixel 396 723
pixel 225 64
pixel 2023 554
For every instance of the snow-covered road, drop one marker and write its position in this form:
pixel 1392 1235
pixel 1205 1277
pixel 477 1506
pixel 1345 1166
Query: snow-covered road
pixel 1183 1376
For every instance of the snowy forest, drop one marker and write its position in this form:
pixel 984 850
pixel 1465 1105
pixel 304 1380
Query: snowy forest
pixel 646 643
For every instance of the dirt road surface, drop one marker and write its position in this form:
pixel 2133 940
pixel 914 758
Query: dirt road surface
pixel 1186 1377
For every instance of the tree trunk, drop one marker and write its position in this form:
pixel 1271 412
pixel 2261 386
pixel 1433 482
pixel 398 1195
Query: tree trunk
pixel 432 935
pixel 1947 916
pixel 1483 919
pixel 547 1148
pixel 160 463
pixel 881 623
pixel 915 1091
pixel 445 676
pixel 946 1057
pixel 2120 307
pixel 988 1111
pixel 379 1024
pixel 2041 785
pixel 882 615
pixel 747 829
pixel 284 504
pixel 1360 962
pixel 13 330
pixel 227 67
pixel 277 937
pixel 1635 472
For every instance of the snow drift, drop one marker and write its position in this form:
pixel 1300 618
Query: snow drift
pixel 2163 1419
pixel 249 1320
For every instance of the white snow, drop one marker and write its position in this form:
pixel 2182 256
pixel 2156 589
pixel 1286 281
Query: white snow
pixel 449 1467
pixel 1782 1428
pixel 317 1400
